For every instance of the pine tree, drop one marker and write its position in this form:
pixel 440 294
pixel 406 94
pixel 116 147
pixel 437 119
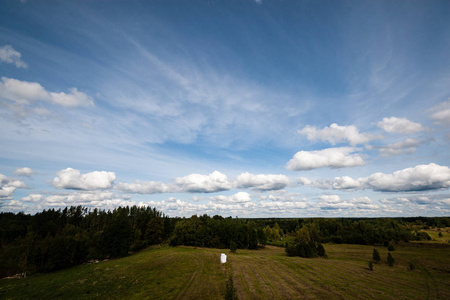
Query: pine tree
pixel 376 256
pixel 390 260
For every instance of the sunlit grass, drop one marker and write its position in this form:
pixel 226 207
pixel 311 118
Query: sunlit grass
pixel 196 273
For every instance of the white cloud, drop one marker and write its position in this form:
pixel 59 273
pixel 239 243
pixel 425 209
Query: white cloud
pixel 197 183
pixel 332 157
pixel 331 198
pixel 240 197
pixel 407 146
pixel 98 199
pixel 419 178
pixel 143 187
pixel 12 206
pixel 73 179
pixel 347 183
pixel 9 185
pixel 336 134
pixel 441 113
pixel 193 183
pixel 26 93
pixel 24 172
pixel 283 196
pixel 11 56
pixel 33 198
pixel 399 125
pixel 334 202
pixel 262 181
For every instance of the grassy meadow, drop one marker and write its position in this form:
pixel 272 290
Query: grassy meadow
pixel 196 273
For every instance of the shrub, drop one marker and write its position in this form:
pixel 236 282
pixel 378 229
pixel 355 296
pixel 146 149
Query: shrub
pixel 391 248
pixel 376 256
pixel 412 267
pixel 440 234
pixel 390 260
pixel 321 250
pixel 370 266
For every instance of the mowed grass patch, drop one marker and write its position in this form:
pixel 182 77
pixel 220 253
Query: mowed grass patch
pixel 160 273
pixel 196 273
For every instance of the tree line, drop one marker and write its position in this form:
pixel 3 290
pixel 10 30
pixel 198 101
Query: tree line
pixel 56 239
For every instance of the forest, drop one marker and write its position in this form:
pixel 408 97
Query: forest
pixel 57 239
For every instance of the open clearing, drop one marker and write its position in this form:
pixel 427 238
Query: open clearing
pixel 196 273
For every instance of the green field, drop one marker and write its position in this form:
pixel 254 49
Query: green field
pixel 196 273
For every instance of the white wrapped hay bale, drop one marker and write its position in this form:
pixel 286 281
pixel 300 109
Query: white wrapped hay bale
pixel 223 258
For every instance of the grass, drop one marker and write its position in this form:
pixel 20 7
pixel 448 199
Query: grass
pixel 196 273
pixel 434 234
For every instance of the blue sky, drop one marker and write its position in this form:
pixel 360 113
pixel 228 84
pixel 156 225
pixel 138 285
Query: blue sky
pixel 241 108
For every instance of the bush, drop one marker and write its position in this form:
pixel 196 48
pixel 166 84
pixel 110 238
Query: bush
pixel 321 250
pixel 391 248
pixel 412 267
pixel 376 256
pixel 370 266
pixel 390 260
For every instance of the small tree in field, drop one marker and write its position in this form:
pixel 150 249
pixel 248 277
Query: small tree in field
pixel 370 265
pixel 391 248
pixel 376 256
pixel 390 260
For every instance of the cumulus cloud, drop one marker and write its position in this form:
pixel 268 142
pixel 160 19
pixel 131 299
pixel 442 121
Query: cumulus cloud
pixel 419 178
pixel 9 185
pixel 347 183
pixel 262 182
pixel 332 157
pixel 26 93
pixel 318 183
pixel 24 172
pixel 336 134
pixel 98 199
pixel 240 197
pixel 399 125
pixel 11 56
pixel 73 179
pixel 407 146
pixel 334 202
pixel 283 196
pixel 197 183
pixel 441 113
pixel 193 183
pixel 143 187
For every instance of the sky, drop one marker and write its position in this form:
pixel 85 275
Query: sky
pixel 235 108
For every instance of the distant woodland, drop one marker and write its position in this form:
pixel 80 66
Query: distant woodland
pixel 56 239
